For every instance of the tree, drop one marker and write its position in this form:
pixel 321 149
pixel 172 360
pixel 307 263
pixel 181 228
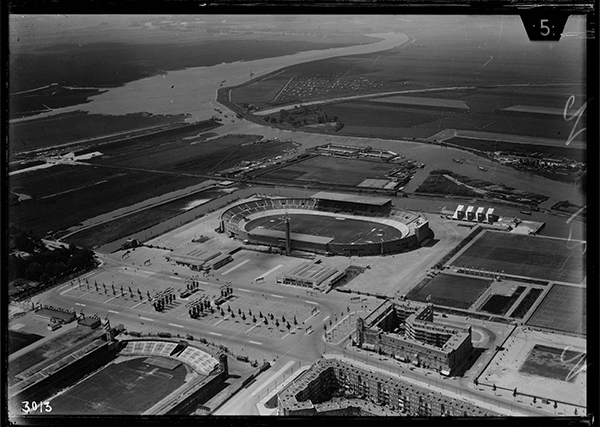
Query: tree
pixel 33 271
pixel 494 387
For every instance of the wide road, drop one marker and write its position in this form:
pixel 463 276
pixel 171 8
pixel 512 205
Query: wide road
pixel 298 344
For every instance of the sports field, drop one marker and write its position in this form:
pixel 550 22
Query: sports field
pixel 130 387
pixel 332 170
pixel 500 304
pixel 341 229
pixel 449 290
pixel 562 309
pixel 529 256
pixel 552 362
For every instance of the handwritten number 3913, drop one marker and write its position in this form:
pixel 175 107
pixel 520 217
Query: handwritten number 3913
pixel 577 115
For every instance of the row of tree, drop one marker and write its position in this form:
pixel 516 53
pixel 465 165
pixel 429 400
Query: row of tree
pixel 38 263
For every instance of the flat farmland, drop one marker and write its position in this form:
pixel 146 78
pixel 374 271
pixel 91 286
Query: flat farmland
pixel 61 199
pixel 449 290
pixel 364 113
pixel 129 387
pixel 529 256
pixel 129 224
pixel 432 61
pixel 332 170
pixel 180 155
pixel 563 309
pixel 26 135
pixel 128 172
pixel 260 93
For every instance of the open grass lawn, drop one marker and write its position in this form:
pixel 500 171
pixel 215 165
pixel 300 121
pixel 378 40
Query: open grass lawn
pixel 563 309
pixel 342 230
pixel 179 155
pixel 501 304
pixel 63 128
pixel 124 226
pixel 18 340
pixel 439 184
pixel 127 173
pixel 451 291
pixel 87 200
pixel 552 362
pixel 332 170
pixel 526 303
pixel 260 93
pixel 362 113
pixel 130 387
pixel 529 256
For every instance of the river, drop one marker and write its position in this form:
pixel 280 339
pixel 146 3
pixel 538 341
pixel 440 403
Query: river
pixel 193 91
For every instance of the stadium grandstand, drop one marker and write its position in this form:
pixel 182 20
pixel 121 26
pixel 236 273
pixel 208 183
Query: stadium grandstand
pixel 326 223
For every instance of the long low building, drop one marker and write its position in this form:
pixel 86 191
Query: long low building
pixel 336 387
pixel 311 275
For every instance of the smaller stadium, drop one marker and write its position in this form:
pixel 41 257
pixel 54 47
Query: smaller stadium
pixel 327 223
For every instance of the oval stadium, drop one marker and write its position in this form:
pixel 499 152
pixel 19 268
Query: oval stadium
pixel 327 223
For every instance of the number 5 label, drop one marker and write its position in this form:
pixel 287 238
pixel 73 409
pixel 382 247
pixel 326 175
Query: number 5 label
pixel 544 25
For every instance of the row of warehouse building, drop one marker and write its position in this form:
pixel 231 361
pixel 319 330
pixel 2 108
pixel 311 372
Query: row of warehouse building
pixel 477 215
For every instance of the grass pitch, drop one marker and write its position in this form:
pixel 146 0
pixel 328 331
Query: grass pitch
pixel 341 230
pixel 332 170
pixel 529 256
pixel 552 362
pixel 562 309
pixel 452 291
pixel 130 387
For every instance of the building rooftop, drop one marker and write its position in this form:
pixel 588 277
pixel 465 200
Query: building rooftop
pixel 310 271
pixel 350 198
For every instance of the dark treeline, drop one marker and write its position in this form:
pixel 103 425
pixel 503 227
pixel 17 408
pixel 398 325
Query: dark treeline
pixel 34 261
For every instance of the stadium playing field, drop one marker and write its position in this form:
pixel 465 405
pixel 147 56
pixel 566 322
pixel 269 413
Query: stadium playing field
pixel 341 229
pixel 130 387
pixel 451 291
pixel 529 256
pixel 562 309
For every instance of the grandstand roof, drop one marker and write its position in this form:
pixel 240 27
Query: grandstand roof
pixel 350 198
pixel 294 236
pixel 310 272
